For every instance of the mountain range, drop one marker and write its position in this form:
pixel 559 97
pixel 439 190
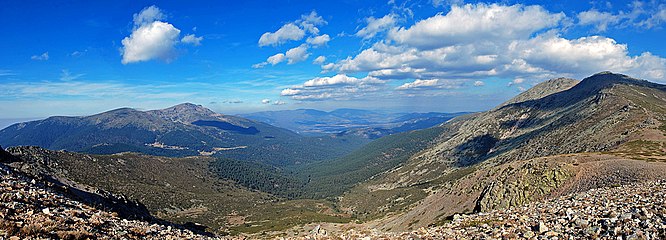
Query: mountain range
pixel 561 136
pixel 181 130
pixel 356 122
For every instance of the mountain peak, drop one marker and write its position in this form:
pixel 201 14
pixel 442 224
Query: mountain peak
pixel 186 112
pixel 607 79
pixel 543 89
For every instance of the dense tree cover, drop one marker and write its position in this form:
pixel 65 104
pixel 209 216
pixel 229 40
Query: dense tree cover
pixel 259 176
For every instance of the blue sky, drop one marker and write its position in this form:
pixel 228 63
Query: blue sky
pixel 79 58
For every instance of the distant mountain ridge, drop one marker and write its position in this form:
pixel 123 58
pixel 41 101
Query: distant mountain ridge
pixel 346 121
pixel 182 130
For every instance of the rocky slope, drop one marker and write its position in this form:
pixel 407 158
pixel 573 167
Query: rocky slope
pixel 181 130
pixel 31 209
pixel 529 148
pixel 633 211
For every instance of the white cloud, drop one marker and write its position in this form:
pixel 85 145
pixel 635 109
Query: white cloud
pixel 420 84
pixel 155 40
pixel 290 92
pixel 41 57
pixel 278 102
pixel 265 101
pixel 338 87
pixel 311 21
pixel 376 25
pixel 479 83
pixel 294 31
pixel 656 19
pixel 292 56
pixel 319 60
pixel 297 54
pixel 516 81
pixel 340 79
pixel 277 58
pixel 287 32
pixel 601 20
pixel 647 15
pixel 192 39
pixel 476 23
pixel 259 65
pixel 442 47
pixel 148 15
pixel 318 40
pixel 152 38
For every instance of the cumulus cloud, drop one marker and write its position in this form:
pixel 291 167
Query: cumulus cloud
pixel 648 15
pixel 479 83
pixel 294 31
pixel 292 56
pixel 148 15
pixel 287 32
pixel 277 58
pixel 376 25
pixel 477 41
pixel 311 21
pixel 476 23
pixel 297 54
pixel 278 102
pixel 430 84
pixel 192 39
pixel 318 40
pixel 42 57
pixel 319 60
pixel 265 101
pixel 151 41
pixel 152 38
pixel 336 87
pixel 600 20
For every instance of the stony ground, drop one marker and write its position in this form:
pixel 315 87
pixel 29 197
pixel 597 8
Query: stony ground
pixel 628 212
pixel 29 210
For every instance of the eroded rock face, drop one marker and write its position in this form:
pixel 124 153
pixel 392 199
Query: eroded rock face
pixel 529 184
